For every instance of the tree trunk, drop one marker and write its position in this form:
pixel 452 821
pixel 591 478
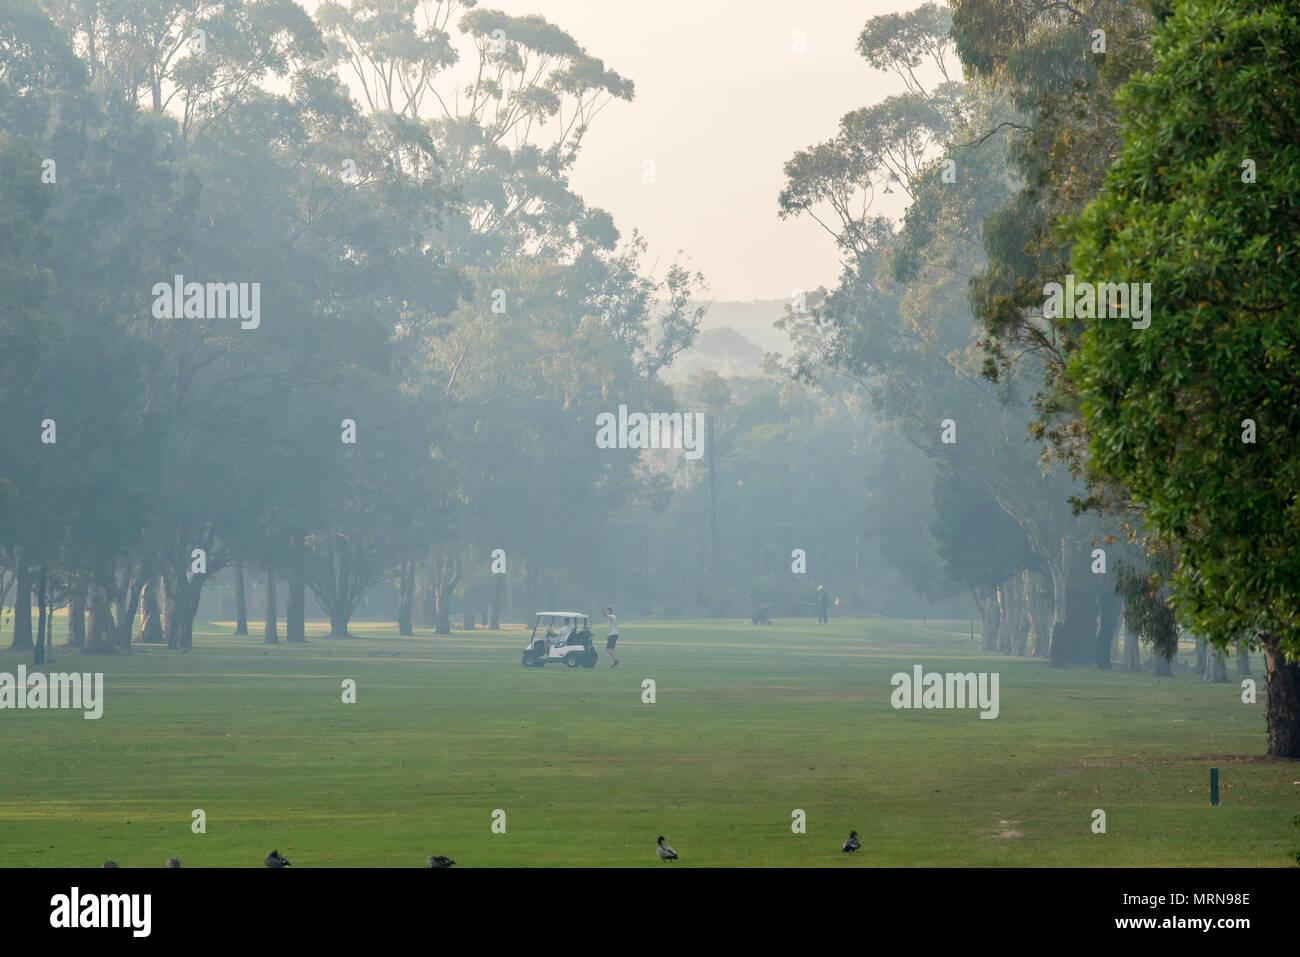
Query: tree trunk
pixel 171 621
pixel 494 609
pixel 1075 642
pixel 99 628
pixel 442 608
pixel 269 633
pixel 1243 659
pixel 124 621
pixel 38 652
pixel 1083 645
pixel 151 631
pixel 1132 653
pixel 1163 668
pixel 446 573
pixel 341 567
pixel 187 609
pixel 1037 612
pixel 340 620
pixel 1200 654
pixel 295 614
pixel 1282 679
pixel 1060 581
pixel 241 601
pixel 22 607
pixel 990 619
pixel 405 597
pixel 1020 632
pixel 49 629
pixel 466 621
pixel 1108 626
pixel 1216 667
pixel 1006 623
pixel 77 617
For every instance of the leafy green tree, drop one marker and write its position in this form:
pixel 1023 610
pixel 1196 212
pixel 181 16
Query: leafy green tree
pixel 1145 590
pixel 1167 407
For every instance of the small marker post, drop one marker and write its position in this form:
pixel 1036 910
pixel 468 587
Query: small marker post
pixel 1214 787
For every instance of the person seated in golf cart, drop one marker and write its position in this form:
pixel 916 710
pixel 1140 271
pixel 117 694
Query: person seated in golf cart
pixel 559 638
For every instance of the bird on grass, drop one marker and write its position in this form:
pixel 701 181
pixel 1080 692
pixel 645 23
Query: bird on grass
pixel 275 860
pixel 437 860
pixel 109 864
pixel 852 844
pixel 665 852
pixel 173 862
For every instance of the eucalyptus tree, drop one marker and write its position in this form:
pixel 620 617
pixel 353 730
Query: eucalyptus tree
pixel 1058 66
pixel 527 386
pixel 191 59
pixel 899 320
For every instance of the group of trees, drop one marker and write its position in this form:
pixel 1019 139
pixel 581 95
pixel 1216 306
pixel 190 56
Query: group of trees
pixel 898 330
pixel 403 324
pixel 1123 142
pixel 310 297
pixel 1146 124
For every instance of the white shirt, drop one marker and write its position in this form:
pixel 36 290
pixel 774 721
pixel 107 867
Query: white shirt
pixel 563 635
pixel 613 624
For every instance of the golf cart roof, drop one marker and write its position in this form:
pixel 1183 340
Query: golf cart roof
pixel 560 614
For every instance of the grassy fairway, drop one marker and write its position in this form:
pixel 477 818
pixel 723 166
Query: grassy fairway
pixel 750 723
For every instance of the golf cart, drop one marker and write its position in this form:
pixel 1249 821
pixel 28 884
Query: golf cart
pixel 573 649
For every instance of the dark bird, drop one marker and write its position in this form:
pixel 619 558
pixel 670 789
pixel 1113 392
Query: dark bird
pixel 173 862
pixel 437 860
pixel 109 864
pixel 665 852
pixel 852 844
pixel 275 860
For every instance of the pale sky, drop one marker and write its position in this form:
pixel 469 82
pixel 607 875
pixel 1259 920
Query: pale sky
pixel 722 101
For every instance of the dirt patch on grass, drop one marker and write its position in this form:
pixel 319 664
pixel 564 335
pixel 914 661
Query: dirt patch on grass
pixel 1223 759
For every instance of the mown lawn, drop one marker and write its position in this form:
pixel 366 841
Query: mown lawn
pixel 749 725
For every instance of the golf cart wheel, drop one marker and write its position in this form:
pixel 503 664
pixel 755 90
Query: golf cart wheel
pixel 571 660
pixel 527 660
pixel 590 658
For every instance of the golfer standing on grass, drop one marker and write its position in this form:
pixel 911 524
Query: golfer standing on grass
pixel 612 640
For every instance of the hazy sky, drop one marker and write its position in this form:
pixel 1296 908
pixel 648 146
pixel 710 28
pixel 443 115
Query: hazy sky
pixel 722 101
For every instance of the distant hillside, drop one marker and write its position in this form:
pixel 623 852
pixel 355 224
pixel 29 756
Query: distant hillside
pixel 753 320
pixel 732 340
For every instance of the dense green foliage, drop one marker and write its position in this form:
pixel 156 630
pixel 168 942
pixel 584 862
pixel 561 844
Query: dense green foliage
pixel 1166 407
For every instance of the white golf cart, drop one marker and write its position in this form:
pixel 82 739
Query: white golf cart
pixel 569 635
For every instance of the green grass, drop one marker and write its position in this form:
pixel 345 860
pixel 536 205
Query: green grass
pixel 750 724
